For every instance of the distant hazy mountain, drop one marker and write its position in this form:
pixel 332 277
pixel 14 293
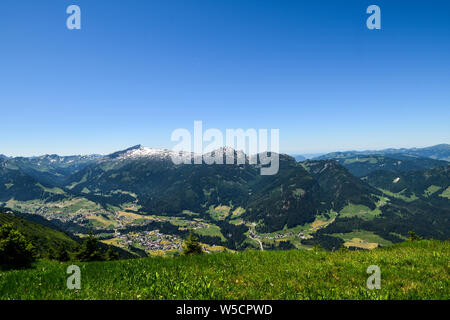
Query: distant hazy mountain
pixel 361 165
pixel 439 152
pixel 306 156
pixel 299 157
pixel 51 169
pixel 16 184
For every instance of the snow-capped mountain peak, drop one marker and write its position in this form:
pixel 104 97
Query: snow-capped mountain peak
pixel 144 152
pixel 139 151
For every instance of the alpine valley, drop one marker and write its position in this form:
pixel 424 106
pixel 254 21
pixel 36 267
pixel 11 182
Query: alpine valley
pixel 141 202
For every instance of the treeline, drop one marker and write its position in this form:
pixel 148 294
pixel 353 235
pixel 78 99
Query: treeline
pixel 282 245
pixel 18 251
pixel 326 242
pixel 235 234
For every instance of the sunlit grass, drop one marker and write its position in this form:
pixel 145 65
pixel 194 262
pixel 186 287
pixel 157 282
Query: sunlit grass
pixel 411 270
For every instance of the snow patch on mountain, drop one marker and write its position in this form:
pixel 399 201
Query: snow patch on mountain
pixel 141 152
pixel 144 152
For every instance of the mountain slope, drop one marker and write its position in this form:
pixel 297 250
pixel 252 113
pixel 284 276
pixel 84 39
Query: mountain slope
pixel 16 184
pixel 340 185
pixel 422 184
pixel 361 165
pixel 290 198
pixel 43 238
pixel 415 200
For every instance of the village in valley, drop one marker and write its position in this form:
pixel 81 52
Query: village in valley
pixel 130 229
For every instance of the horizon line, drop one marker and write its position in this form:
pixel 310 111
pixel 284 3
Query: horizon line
pixel 298 153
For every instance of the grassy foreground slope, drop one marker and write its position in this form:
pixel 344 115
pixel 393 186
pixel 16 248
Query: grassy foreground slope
pixel 410 270
pixel 42 237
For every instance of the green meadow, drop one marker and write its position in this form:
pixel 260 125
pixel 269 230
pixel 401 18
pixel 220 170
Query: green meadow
pixel 409 270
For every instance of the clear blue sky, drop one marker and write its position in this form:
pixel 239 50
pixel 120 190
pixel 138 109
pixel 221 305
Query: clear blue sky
pixel 138 69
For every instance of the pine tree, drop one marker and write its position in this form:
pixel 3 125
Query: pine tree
pixel 89 250
pixel 111 254
pixel 62 254
pixel 413 236
pixel 191 246
pixel 15 250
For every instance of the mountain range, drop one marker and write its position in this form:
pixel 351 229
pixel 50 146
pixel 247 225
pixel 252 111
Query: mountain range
pixel 438 152
pixel 357 199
